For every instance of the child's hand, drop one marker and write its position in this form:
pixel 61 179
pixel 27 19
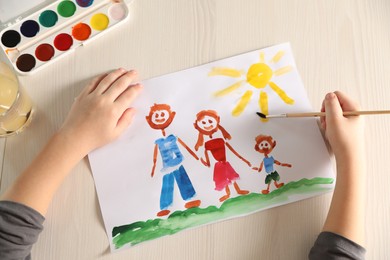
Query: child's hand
pixel 345 134
pixel 102 110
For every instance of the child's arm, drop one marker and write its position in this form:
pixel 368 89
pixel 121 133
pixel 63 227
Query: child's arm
pixel 98 116
pixel 346 214
pixel 346 137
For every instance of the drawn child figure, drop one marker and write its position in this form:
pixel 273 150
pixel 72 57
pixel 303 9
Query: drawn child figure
pixel 264 145
pixel 160 117
pixel 208 123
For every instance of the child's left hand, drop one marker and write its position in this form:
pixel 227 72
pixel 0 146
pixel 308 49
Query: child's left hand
pixel 102 110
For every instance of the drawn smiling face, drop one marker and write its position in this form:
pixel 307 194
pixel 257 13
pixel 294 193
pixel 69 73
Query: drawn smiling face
pixel 264 144
pixel 160 116
pixel 207 123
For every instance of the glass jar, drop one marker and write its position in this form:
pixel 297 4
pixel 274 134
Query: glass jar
pixel 15 106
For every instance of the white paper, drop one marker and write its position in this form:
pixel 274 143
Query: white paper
pixel 122 170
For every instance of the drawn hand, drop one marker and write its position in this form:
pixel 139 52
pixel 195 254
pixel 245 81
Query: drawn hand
pixel 255 168
pixel 154 167
pixel 101 111
pixel 286 165
pixel 204 162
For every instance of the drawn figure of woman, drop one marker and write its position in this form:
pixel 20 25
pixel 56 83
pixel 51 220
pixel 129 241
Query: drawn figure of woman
pixel 159 118
pixel 264 145
pixel 207 123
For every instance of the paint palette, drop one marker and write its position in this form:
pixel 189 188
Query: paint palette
pixel 57 29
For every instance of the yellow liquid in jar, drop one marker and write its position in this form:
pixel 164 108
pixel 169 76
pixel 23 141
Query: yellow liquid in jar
pixel 15 106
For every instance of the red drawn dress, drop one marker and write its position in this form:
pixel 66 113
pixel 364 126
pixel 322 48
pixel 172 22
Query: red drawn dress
pixel 224 174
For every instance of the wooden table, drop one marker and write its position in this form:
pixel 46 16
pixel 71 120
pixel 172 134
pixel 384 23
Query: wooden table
pixel 337 45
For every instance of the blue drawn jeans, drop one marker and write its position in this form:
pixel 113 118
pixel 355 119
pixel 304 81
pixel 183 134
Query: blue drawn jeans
pixel 183 182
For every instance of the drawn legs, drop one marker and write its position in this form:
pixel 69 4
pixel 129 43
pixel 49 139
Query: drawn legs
pixel 267 190
pixel 166 197
pixel 240 191
pixel 225 197
pixel 278 185
pixel 186 189
pixel 237 188
pixel 273 176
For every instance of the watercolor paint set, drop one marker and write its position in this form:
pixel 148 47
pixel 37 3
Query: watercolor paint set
pixel 55 30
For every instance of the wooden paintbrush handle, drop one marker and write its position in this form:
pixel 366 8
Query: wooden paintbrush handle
pixel 346 113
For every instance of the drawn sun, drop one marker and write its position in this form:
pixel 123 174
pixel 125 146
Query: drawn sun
pixel 259 76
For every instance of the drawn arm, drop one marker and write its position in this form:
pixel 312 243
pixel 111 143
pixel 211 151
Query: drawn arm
pixel 154 159
pixel 283 164
pixel 188 149
pixel 260 167
pixel 207 162
pixel 238 155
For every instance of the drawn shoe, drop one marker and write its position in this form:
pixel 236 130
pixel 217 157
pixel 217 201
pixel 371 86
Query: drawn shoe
pixel 265 191
pixel 192 204
pixel 223 198
pixel 240 191
pixel 278 185
pixel 163 213
pixel 243 192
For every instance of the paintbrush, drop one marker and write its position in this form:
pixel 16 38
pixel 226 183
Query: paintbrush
pixel 314 114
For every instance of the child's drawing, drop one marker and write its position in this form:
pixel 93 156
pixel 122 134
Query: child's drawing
pixel 259 75
pixel 149 186
pixel 264 145
pixel 159 118
pixel 208 123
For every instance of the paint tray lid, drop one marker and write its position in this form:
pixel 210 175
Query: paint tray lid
pixel 13 11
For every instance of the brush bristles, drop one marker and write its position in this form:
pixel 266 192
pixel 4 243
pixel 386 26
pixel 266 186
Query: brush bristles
pixel 261 115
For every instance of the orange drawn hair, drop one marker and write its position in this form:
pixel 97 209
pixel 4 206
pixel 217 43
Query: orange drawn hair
pixel 261 138
pixel 155 108
pixel 202 132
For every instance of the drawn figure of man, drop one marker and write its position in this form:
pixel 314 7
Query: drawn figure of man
pixel 264 145
pixel 160 117
pixel 208 123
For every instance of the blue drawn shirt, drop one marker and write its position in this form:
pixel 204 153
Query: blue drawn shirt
pixel 269 164
pixel 170 153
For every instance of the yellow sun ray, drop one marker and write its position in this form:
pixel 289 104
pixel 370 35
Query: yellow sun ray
pixel 229 89
pixel 259 75
pixel 283 70
pixel 277 56
pixel 262 59
pixel 229 72
pixel 281 93
pixel 263 104
pixel 242 103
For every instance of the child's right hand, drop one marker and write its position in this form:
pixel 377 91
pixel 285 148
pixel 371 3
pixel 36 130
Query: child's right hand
pixel 345 134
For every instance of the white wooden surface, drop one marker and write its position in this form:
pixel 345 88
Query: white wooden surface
pixel 338 44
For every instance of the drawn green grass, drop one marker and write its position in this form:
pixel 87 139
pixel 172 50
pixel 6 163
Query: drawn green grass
pixel 141 231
